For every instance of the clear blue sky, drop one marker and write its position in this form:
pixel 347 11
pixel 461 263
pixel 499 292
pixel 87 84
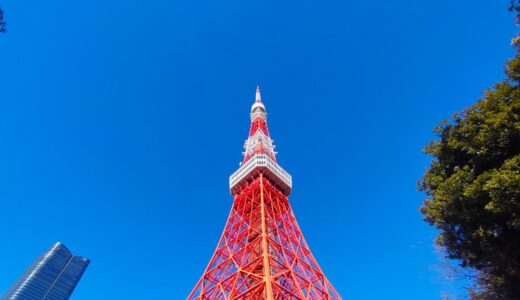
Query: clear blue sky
pixel 120 122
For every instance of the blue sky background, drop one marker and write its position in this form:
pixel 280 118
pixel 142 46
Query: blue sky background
pixel 120 122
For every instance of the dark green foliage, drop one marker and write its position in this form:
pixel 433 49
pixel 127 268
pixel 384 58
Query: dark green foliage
pixel 514 6
pixel 3 25
pixel 473 188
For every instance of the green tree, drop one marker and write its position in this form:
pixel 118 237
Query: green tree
pixel 3 26
pixel 473 186
pixel 514 5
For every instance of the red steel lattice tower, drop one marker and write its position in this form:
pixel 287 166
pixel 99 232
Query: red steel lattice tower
pixel 262 253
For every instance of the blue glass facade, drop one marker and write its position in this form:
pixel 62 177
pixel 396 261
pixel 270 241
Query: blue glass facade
pixel 52 276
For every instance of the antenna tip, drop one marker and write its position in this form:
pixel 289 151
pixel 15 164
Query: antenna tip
pixel 258 98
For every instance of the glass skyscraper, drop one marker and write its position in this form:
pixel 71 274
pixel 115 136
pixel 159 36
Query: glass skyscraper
pixel 52 276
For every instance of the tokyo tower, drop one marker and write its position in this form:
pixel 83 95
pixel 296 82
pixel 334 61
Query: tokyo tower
pixel 262 253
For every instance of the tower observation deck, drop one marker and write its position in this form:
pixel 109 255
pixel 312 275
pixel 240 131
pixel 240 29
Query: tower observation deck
pixel 262 253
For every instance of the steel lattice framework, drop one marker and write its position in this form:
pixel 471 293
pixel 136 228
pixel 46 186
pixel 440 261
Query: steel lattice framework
pixel 262 253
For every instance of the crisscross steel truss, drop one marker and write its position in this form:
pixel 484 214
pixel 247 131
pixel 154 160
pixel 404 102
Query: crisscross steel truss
pixel 262 253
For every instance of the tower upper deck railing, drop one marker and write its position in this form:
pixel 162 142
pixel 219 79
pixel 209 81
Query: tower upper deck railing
pixel 261 163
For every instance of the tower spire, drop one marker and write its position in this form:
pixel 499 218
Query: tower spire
pixel 258 98
pixel 259 137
